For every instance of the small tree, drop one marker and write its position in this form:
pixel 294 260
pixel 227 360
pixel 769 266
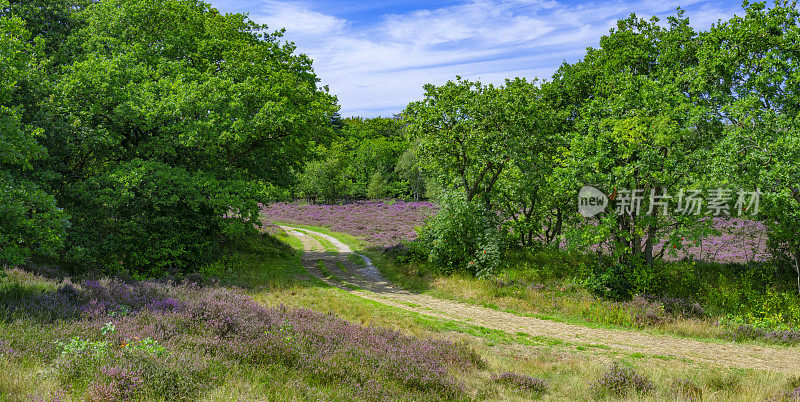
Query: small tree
pixel 465 142
pixel 463 236
pixel 408 167
pixel 377 186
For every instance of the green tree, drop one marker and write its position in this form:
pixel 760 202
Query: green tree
pixel 324 180
pixel 409 168
pixel 466 139
pixel 750 73
pixel 30 223
pixel 377 186
pixel 527 193
pixel 172 93
pixel 643 129
pixel 361 148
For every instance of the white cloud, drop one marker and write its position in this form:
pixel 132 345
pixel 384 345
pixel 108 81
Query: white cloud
pixel 378 66
pixel 297 19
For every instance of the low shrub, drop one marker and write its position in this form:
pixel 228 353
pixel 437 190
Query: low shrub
pixel 618 381
pixel 685 389
pixel 532 385
pixel 463 236
pixel 752 333
pixel 724 382
pixel 148 340
pixel 614 281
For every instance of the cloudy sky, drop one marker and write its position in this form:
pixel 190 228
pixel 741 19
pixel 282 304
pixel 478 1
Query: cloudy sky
pixel 376 55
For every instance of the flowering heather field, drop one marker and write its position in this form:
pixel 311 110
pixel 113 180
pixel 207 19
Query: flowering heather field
pixel 379 223
pixel 740 240
pixel 150 340
pixel 389 223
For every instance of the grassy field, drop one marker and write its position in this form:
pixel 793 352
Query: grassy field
pixel 268 330
pixel 550 285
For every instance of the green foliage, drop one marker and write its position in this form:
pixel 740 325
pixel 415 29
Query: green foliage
pixel 466 140
pixel 52 20
pixel 749 67
pixel 783 224
pixel 149 346
pixel 377 186
pixel 641 128
pixel 166 125
pixel 30 222
pixel 77 345
pixel 409 168
pixel 361 161
pixel 153 217
pixel 613 281
pixel 324 179
pixel 462 237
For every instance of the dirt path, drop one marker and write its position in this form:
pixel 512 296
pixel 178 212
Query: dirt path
pixel 344 270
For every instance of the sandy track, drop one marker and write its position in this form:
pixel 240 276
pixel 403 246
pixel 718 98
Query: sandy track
pixel 364 280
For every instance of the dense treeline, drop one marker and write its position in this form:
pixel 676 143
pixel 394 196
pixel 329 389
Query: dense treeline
pixel 658 107
pixel 141 134
pixel 364 158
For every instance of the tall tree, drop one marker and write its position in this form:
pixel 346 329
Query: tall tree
pixel 642 129
pixel 178 122
pixel 750 74
pixel 466 141
pixel 30 223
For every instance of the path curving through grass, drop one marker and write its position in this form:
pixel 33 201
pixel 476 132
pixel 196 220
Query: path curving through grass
pixel 364 280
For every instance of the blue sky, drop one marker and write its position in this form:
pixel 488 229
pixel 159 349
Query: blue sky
pixel 375 56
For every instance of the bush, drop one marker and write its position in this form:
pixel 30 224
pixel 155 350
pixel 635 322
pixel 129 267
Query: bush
pixel 154 219
pixel 462 236
pixel 619 381
pixel 686 389
pixel 613 282
pixel 536 386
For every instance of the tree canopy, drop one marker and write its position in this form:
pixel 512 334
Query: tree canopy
pixel 165 124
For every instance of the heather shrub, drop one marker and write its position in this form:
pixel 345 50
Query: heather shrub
pixel 645 312
pixel 725 382
pixel 536 386
pixel 5 350
pixel 618 381
pixel 463 236
pixel 793 395
pixel 749 328
pixel 685 389
pixel 148 340
pixel 379 223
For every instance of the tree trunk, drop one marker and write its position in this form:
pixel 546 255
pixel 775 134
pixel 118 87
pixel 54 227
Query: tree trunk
pixel 557 229
pixel 648 246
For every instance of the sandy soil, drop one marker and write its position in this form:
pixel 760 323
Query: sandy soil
pixel 364 280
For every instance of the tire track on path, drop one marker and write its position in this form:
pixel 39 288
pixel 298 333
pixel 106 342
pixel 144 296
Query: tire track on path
pixel 364 280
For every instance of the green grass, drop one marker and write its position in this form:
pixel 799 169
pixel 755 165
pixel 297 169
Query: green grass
pixel 323 268
pixel 273 274
pixel 356 260
pixel 549 285
pixel 259 262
